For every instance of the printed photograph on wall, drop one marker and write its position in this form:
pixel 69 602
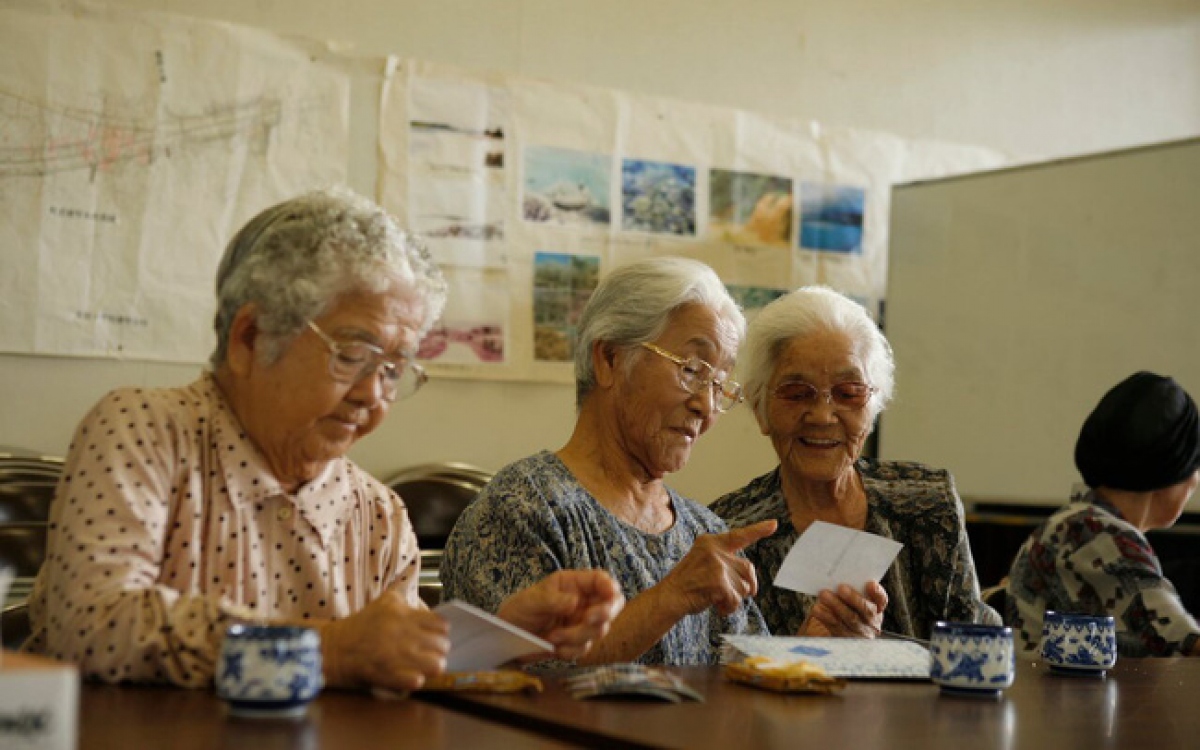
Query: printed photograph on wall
pixel 473 327
pixel 658 197
pixel 568 187
pixel 461 219
pixel 457 126
pixel 562 284
pixel 831 217
pixel 745 208
pixel 753 298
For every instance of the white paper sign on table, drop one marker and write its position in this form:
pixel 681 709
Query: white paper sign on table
pixel 827 555
pixel 479 640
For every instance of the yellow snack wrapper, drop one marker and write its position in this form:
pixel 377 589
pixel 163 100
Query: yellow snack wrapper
pixel 783 677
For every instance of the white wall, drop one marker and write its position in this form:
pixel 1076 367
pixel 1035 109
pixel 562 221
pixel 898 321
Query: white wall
pixel 1034 78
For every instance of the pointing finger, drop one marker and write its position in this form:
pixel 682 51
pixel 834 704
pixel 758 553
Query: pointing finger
pixel 738 539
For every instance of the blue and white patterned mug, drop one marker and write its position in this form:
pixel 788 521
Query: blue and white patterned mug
pixel 269 670
pixel 1079 643
pixel 970 658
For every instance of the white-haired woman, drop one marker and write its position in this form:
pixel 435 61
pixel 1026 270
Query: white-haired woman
pixel 185 510
pixel 818 372
pixel 657 341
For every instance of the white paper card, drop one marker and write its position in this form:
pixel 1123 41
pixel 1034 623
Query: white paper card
pixel 479 640
pixel 827 555
pixel 839 657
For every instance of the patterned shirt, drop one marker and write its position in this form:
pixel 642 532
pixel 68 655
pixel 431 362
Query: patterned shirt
pixel 534 518
pixel 1086 559
pixel 933 577
pixel 168 526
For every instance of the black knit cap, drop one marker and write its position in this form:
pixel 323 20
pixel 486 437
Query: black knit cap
pixel 1143 435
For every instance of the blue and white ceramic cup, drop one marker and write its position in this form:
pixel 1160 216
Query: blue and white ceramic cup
pixel 269 670
pixel 1079 644
pixel 971 659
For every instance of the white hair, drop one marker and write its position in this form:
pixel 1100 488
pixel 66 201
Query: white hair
pixel 294 259
pixel 808 310
pixel 634 303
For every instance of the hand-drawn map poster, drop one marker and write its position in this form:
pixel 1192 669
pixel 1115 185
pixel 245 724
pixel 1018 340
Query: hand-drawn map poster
pixel 132 146
pixel 529 192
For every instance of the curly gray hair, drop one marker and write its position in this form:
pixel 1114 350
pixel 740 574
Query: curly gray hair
pixel 633 304
pixel 295 258
pixel 808 310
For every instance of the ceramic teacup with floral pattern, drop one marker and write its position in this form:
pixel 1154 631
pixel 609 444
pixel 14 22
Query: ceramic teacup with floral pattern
pixel 1078 643
pixel 971 659
pixel 266 670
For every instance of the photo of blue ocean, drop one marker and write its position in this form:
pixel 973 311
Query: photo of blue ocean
pixel 831 217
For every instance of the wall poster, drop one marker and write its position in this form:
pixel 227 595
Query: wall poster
pixel 530 191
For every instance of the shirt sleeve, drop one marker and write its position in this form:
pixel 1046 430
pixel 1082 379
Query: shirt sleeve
pixel 406 578
pixel 1120 570
pixel 98 600
pixel 504 541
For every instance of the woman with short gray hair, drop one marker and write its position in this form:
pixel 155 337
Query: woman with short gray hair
pixel 185 510
pixel 657 341
pixel 818 372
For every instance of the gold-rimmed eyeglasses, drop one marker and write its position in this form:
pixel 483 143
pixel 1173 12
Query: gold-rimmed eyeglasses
pixel 351 361
pixel 845 396
pixel 696 375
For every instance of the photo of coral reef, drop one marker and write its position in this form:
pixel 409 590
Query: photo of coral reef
pixel 658 197
pixel 831 217
pixel 566 187
pixel 562 285
pixel 745 208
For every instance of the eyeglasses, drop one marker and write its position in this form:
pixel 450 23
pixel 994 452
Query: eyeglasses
pixel 843 396
pixel 696 375
pixel 351 361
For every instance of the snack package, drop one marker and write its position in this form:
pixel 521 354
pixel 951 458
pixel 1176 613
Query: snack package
pixel 499 681
pixel 783 677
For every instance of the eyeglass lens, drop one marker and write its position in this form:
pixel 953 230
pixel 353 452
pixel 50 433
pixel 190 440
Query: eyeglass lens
pixel 846 395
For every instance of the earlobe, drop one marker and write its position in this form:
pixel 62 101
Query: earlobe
pixel 604 362
pixel 243 339
pixel 764 427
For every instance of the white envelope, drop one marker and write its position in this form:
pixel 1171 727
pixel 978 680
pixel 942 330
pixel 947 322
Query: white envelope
pixel 827 555
pixel 479 640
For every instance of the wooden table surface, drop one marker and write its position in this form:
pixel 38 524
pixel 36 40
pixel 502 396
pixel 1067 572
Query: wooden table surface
pixel 133 718
pixel 1141 703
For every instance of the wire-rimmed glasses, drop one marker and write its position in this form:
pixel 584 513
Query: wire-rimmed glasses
pixel 695 375
pixel 846 396
pixel 351 361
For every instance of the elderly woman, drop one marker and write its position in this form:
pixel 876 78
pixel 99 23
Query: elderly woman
pixel 185 510
pixel 1139 453
pixel 818 372
pixel 657 340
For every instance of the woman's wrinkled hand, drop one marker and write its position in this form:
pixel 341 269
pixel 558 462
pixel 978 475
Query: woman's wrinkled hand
pixel 387 644
pixel 570 608
pixel 845 613
pixel 714 574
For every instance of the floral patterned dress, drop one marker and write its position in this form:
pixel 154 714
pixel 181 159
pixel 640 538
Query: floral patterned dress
pixel 933 577
pixel 534 518
pixel 1087 559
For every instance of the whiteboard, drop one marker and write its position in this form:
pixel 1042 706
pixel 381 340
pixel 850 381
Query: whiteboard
pixel 1016 298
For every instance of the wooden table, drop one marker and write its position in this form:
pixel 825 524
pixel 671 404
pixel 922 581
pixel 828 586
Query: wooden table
pixel 1141 703
pixel 125 718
